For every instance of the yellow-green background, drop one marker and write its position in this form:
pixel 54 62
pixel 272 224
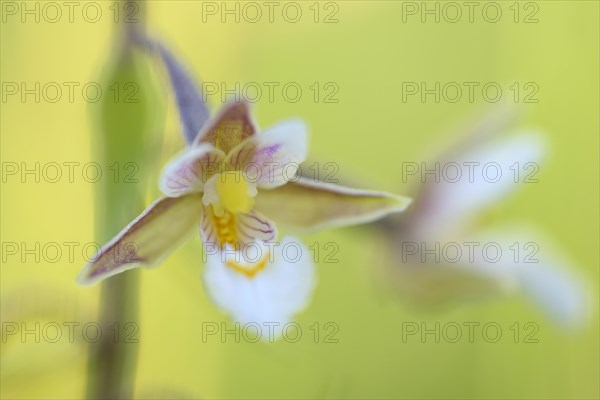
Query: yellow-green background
pixel 368 53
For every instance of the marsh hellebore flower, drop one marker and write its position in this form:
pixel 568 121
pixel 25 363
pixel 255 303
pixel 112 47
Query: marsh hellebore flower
pixel 233 183
pixel 442 218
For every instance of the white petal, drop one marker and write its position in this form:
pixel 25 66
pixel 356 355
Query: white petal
pixel 546 276
pixel 271 158
pixel 540 272
pixel 274 294
pixel 557 291
pixel 447 204
pixel 189 172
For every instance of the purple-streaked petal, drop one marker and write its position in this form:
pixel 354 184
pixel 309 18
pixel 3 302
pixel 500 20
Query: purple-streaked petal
pixel 146 240
pixel 190 171
pixel 255 227
pixel 237 230
pixel 271 158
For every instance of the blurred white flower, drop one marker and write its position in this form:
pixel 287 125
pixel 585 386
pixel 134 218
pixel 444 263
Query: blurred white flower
pixel 441 220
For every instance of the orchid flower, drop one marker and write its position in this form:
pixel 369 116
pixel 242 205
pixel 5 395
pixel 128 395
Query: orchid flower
pixel 229 182
pixel 443 214
pixel 235 183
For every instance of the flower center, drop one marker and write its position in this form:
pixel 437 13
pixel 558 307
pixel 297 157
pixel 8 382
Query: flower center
pixel 233 192
pixel 225 228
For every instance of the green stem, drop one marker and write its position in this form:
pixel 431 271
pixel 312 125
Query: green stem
pixel 112 360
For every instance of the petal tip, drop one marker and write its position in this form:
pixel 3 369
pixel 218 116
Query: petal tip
pixel 402 202
pixel 83 280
